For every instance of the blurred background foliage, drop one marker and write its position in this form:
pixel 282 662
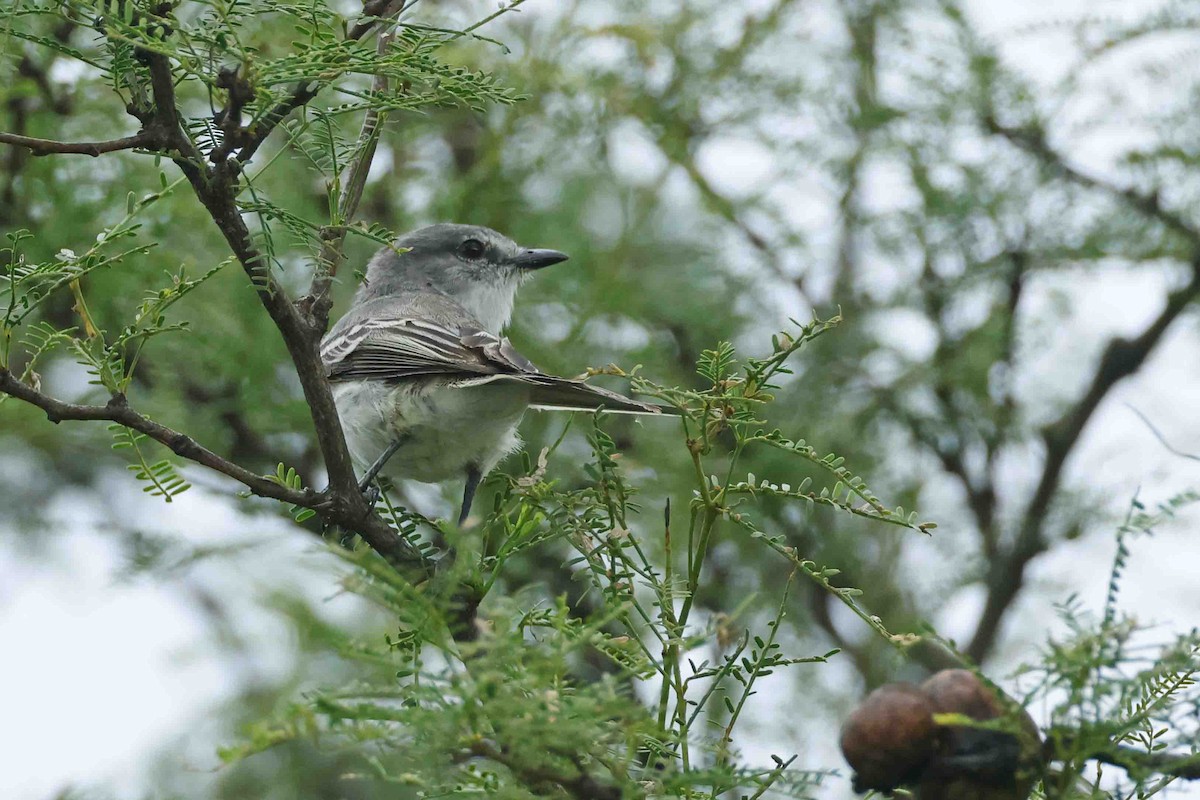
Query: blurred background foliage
pixel 714 168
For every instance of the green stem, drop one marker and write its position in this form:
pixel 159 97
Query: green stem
pixel 748 689
pixel 667 610
pixel 711 512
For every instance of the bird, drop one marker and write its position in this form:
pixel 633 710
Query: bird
pixel 426 385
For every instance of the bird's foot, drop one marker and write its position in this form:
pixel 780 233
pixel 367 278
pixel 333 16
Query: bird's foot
pixel 370 493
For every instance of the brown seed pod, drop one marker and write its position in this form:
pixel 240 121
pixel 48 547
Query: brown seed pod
pixel 959 691
pixel 889 738
pixel 973 763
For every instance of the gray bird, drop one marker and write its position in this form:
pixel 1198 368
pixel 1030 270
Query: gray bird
pixel 420 370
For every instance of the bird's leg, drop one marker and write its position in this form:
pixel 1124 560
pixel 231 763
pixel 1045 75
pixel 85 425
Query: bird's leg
pixel 371 493
pixel 473 478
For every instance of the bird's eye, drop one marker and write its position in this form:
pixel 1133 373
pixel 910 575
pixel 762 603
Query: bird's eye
pixel 472 249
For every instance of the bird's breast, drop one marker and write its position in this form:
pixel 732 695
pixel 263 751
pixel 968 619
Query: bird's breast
pixel 445 427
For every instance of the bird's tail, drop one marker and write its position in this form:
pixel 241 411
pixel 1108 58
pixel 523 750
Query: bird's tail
pixel 549 392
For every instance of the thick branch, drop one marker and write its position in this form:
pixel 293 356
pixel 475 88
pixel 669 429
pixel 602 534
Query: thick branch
pixel 299 338
pixel 219 197
pixel 45 147
pixel 1136 761
pixel 301 341
pixel 217 191
pixel 1122 357
pixel 166 114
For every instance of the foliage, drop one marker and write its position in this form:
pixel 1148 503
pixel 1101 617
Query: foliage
pixel 1116 695
pixel 503 712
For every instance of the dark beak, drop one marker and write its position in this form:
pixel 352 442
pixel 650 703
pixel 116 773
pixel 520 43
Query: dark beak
pixel 536 259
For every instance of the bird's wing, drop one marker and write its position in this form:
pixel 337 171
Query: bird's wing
pixel 405 347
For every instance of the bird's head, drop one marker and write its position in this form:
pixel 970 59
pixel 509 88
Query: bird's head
pixel 476 266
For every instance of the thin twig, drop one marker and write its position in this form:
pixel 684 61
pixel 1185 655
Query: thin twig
pixel 118 410
pixel 1132 760
pixel 330 507
pixel 1158 435
pixel 318 302
pixel 1033 141
pixel 305 91
pixel 44 147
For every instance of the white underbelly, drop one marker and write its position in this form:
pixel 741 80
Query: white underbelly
pixel 445 429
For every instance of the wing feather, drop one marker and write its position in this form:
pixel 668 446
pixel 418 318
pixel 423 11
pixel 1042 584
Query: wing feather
pixel 395 348
pixel 402 347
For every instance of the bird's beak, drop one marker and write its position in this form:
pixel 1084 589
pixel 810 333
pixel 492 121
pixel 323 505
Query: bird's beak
pixel 536 259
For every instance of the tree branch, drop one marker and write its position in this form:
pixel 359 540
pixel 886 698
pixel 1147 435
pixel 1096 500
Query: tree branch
pixel 1121 358
pixel 343 504
pixel 260 131
pixel 373 12
pixel 1186 767
pixel 301 341
pixel 331 508
pixel 1033 141
pixel 44 147
pixel 318 302
pixel 217 193
pixel 118 410
pixel 217 190
pixel 1134 761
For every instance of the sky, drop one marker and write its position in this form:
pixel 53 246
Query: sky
pixel 132 659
